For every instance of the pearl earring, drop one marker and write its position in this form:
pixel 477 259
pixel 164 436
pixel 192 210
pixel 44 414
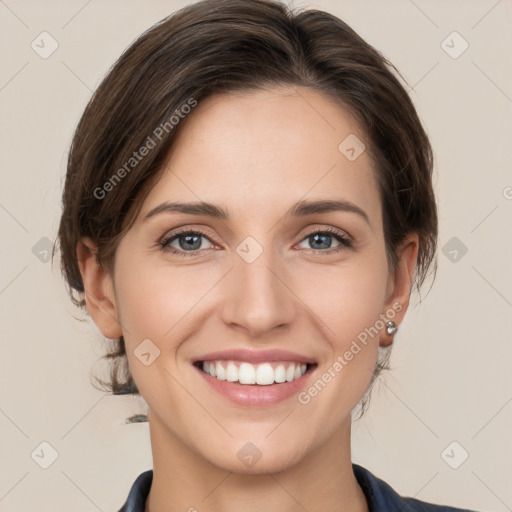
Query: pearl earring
pixel 391 328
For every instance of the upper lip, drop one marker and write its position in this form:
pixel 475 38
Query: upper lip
pixel 254 356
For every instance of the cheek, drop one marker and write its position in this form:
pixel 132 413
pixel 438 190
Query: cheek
pixel 165 303
pixel 347 301
pixel 155 296
pixel 347 297
pixel 153 304
pixel 348 308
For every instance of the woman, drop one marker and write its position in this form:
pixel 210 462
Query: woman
pixel 248 205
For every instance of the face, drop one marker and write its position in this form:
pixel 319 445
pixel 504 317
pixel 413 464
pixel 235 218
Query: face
pixel 283 303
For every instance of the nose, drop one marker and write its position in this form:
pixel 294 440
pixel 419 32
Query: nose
pixel 258 296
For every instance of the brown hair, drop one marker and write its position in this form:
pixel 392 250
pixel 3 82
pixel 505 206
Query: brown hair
pixel 217 46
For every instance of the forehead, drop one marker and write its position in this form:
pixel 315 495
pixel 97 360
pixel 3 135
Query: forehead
pixel 262 151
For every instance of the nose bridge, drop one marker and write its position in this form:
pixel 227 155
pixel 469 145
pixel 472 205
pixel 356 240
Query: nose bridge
pixel 257 298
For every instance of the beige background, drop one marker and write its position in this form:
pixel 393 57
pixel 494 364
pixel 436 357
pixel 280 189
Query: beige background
pixel 451 365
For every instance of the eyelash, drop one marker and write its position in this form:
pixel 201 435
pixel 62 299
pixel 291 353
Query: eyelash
pixel 345 242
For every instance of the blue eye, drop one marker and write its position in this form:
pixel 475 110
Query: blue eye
pixel 190 242
pixel 318 238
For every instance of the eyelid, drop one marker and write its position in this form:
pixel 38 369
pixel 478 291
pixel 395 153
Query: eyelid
pixel 306 231
pixel 186 229
pixel 323 228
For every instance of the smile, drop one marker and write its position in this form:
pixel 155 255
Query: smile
pixel 255 378
pixel 263 374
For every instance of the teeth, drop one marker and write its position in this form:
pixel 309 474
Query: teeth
pixel 280 374
pixel 247 374
pixel 231 372
pixel 263 374
pixel 221 373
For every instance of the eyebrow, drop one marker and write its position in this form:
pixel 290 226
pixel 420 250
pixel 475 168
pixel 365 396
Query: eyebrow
pixel 300 209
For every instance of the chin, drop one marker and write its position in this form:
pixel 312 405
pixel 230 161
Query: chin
pixel 248 459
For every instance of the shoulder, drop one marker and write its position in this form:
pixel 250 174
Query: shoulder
pixel 136 501
pixel 381 496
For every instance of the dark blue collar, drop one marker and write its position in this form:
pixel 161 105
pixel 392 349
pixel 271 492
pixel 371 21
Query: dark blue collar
pixel 379 495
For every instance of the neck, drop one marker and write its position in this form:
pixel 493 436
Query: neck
pixel 184 481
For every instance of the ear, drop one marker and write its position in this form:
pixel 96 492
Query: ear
pixel 399 285
pixel 99 290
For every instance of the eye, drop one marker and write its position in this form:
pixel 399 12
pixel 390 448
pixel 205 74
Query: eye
pixel 322 240
pixel 189 242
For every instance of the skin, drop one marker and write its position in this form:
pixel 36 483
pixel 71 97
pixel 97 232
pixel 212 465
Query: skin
pixel 256 154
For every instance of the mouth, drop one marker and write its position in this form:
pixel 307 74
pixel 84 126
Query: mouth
pixel 262 374
pixel 255 378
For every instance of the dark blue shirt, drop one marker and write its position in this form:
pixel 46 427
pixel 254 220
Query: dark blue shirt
pixel 379 495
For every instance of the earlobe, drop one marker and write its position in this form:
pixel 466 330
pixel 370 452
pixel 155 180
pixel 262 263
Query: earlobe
pixel 400 286
pixel 98 289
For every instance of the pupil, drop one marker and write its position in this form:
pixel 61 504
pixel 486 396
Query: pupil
pixel 189 241
pixel 318 236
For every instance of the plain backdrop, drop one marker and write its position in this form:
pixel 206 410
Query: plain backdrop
pixel 438 427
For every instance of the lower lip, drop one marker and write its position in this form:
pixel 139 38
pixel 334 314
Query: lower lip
pixel 254 395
